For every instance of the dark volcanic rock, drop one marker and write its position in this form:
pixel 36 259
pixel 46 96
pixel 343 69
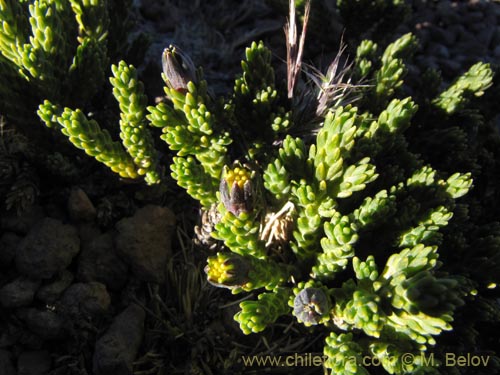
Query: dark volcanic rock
pixel 80 208
pixel 144 240
pixel 34 363
pixel 18 335
pixel 51 291
pixel 6 365
pixel 48 248
pixel 45 323
pixel 91 299
pixel 19 292
pixel 117 348
pixel 87 233
pixel 8 245
pixel 98 261
pixel 21 224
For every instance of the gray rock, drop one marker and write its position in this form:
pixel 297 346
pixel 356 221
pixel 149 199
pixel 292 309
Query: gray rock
pixel 87 233
pixel 50 292
pixel 465 39
pixel 438 50
pixel 457 29
pixel 6 365
pixel 34 363
pixel 8 246
pixel 98 261
pixel 403 29
pixel 495 41
pixel 47 249
pixel 45 323
pixel 443 36
pixel 496 51
pixel 157 10
pixel 117 348
pixel 459 58
pixel 19 292
pixel 89 299
pixel 18 335
pixel 477 28
pixel 423 34
pixel 443 7
pixel 450 18
pixel 427 62
pixel 80 208
pixel 144 240
pixel 450 67
pixel 21 224
pixel 473 50
pixel 490 18
pixel 426 15
pixel 474 17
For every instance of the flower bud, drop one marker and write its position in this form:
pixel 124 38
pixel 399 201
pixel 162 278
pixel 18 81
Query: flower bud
pixel 227 270
pixel 178 69
pixel 310 306
pixel 236 190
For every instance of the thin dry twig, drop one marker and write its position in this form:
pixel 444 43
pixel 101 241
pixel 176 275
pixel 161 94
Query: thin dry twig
pixel 293 51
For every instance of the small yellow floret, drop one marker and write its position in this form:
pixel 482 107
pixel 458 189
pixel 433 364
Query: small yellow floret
pixel 217 269
pixel 238 175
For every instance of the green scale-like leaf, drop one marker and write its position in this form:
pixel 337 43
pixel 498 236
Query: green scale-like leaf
pixel 473 83
pixel 344 356
pixel 255 316
pixel 136 138
pixel 240 233
pixel 87 135
pixel 337 246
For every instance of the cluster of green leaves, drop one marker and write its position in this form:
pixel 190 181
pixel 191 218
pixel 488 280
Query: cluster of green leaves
pixel 363 251
pixel 455 131
pixel 54 50
pixel 50 47
pixel 340 228
pixel 137 157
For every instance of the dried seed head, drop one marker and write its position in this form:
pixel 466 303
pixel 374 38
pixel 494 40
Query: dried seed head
pixel 203 231
pixel 178 68
pixel 335 87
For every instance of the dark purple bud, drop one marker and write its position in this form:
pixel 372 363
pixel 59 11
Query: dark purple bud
pixel 236 190
pixel 310 305
pixel 178 68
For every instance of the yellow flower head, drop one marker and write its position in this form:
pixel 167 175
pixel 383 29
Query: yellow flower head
pixel 238 175
pixel 236 190
pixel 227 270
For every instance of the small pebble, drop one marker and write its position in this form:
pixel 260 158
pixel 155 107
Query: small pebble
pixel 45 323
pixel 80 208
pixel 117 348
pixel 52 290
pixel 19 292
pixel 48 248
pixel 88 299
